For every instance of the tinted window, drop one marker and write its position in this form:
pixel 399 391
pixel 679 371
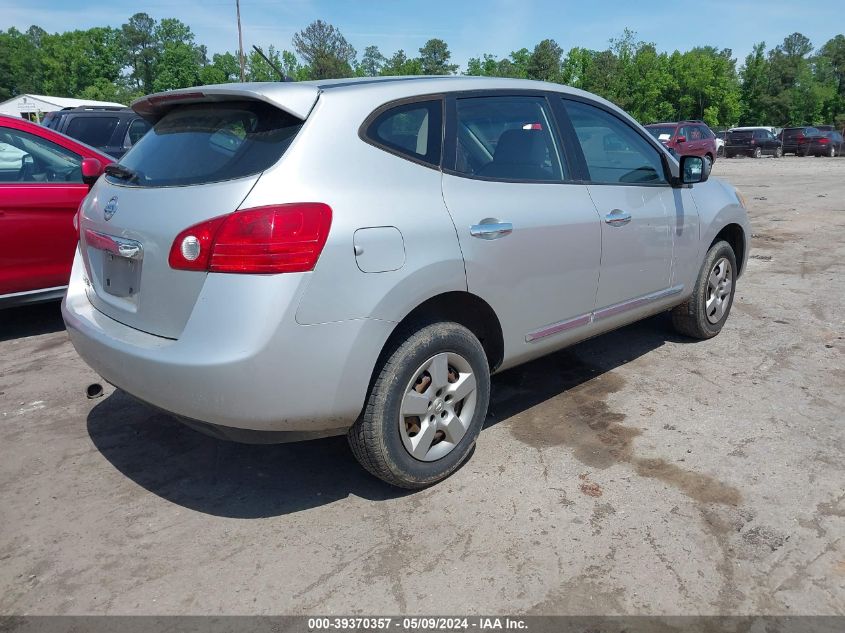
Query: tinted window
pixel 92 130
pixel 25 157
pixel 412 129
pixel 136 130
pixel 615 153
pixel 662 132
pixel 210 142
pixel 507 138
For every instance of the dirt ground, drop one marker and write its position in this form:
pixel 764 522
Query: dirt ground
pixel 636 473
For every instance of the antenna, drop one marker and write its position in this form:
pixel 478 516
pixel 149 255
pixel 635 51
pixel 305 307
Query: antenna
pixel 282 74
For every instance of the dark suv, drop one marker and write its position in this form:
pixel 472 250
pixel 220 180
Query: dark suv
pixel 109 129
pixel 686 138
pixel 754 142
pixel 797 140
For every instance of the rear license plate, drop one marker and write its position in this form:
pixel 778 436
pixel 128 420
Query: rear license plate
pixel 121 276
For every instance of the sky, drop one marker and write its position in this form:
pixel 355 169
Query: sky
pixel 470 27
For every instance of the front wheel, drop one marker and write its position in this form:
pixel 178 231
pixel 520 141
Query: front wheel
pixel 778 153
pixel 758 153
pixel 703 315
pixel 425 409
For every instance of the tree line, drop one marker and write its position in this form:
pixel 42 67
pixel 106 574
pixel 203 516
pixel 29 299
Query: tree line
pixel 792 83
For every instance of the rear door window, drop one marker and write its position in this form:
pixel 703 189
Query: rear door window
pixel 92 130
pixel 614 152
pixel 507 138
pixel 210 142
pixel 413 130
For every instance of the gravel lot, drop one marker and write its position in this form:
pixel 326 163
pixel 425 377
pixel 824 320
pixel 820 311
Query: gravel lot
pixel 636 473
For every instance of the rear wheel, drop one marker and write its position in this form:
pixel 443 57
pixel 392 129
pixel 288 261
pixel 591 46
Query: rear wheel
pixel 425 409
pixel 832 151
pixel 778 153
pixel 704 314
pixel 758 152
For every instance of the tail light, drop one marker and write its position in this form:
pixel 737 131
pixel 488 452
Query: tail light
pixel 284 238
pixel 824 141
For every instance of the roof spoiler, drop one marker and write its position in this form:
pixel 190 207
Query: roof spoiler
pixel 294 98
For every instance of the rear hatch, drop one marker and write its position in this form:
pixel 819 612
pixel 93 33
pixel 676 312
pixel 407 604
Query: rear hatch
pixel 200 160
pixel 742 139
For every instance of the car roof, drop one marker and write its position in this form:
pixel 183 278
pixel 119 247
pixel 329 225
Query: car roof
pixel 298 97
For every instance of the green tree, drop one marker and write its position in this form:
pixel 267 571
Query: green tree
pixel 371 62
pixel 434 58
pixel 141 50
pixel 545 62
pixel 401 64
pixel 485 66
pixel 325 50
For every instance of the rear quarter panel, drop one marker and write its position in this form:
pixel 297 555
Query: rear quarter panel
pixel 365 187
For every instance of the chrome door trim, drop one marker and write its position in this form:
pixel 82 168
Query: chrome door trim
pixel 604 313
pixel 120 246
pixel 617 217
pixel 491 230
pixel 560 326
pixel 630 304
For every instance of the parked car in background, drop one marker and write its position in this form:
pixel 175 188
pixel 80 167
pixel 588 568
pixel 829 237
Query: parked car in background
pixel 828 144
pixel 752 141
pixel 233 270
pixel 719 135
pixel 686 138
pixel 44 176
pixel 110 130
pixel 797 140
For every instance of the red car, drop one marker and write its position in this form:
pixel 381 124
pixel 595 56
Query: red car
pixel 44 176
pixel 686 138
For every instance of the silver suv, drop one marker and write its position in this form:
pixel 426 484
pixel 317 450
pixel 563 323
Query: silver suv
pixel 284 261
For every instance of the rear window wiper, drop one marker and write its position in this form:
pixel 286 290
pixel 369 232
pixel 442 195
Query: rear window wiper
pixel 121 172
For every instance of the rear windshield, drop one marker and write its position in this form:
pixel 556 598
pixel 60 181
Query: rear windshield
pixel 209 142
pixel 741 136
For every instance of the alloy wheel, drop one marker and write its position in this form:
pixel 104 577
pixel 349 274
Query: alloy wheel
pixel 719 285
pixel 437 406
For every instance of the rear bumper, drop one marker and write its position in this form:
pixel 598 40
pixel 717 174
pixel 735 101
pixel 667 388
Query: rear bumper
pixel 242 361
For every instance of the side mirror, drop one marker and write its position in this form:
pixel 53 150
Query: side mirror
pixel 92 169
pixel 681 139
pixel 693 170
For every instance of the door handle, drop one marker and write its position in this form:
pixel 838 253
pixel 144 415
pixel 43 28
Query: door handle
pixel 617 217
pixel 491 229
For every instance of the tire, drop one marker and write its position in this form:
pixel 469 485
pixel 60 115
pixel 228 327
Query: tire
pixel 758 153
pixel 778 153
pixel 728 155
pixel 720 152
pixel 709 160
pixel 691 317
pixel 832 152
pixel 382 437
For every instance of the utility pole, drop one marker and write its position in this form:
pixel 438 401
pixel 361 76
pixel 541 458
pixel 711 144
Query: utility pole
pixel 241 43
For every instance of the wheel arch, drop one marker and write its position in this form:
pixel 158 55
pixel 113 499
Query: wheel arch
pixel 734 235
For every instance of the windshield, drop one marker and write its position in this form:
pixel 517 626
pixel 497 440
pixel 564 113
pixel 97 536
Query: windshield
pixel 208 142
